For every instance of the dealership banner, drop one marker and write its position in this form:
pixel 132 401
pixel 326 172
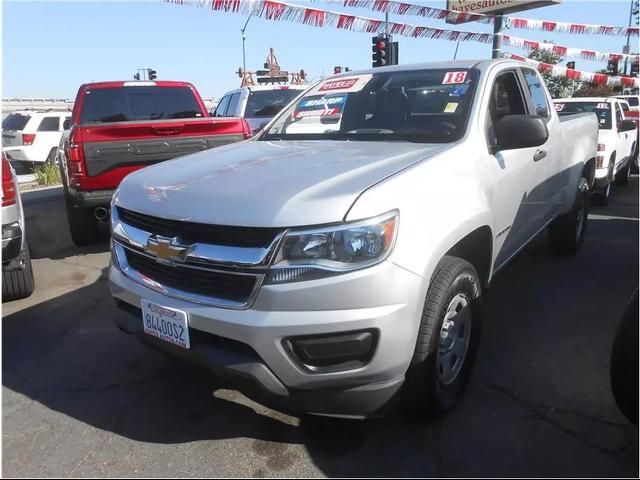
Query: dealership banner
pixel 587 77
pixel 456 13
pixel 279 11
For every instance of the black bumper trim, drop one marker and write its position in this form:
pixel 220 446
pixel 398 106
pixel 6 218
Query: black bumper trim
pixel 239 365
pixel 100 198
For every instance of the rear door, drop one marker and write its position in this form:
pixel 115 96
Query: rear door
pixel 47 135
pixel 551 154
pixel 624 139
pixel 519 193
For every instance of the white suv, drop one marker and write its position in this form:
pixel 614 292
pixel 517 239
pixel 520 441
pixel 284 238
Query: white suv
pixel 257 105
pixel 33 136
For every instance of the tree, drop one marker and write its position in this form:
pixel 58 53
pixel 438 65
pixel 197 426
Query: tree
pixel 558 86
pixel 595 91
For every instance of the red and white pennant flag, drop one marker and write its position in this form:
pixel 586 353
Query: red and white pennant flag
pixel 588 77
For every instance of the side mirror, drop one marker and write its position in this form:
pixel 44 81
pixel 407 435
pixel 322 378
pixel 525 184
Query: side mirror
pixel 66 125
pixel 627 125
pixel 520 131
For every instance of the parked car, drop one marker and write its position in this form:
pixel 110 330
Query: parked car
pixel 17 274
pixel 332 271
pixel 632 113
pixel 624 362
pixel 616 141
pixel 32 136
pixel 632 100
pixel 120 127
pixel 257 105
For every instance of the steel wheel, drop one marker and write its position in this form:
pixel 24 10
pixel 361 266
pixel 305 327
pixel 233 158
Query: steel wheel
pixel 454 339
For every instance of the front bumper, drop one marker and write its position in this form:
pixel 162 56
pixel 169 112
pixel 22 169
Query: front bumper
pixel 247 347
pixel 11 242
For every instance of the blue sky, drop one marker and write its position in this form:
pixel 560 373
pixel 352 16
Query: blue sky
pixel 50 47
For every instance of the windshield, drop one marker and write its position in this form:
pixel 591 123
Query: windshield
pixel 137 103
pixel 601 109
pixel 268 103
pixel 15 121
pixel 419 105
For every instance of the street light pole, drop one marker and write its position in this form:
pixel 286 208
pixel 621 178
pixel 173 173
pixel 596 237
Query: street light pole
pixel 627 46
pixel 244 65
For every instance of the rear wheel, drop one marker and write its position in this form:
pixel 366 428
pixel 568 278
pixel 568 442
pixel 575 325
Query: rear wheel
pixel 566 233
pixel 622 177
pixel 83 226
pixel 18 282
pixel 447 340
pixel 602 197
pixel 52 158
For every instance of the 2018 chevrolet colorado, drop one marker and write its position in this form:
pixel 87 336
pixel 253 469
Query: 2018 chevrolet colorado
pixel 337 261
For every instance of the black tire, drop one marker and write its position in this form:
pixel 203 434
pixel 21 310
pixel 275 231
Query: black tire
pixel 602 197
pixel 83 226
pixel 624 362
pixel 425 392
pixel 566 233
pixel 622 177
pixel 51 158
pixel 18 282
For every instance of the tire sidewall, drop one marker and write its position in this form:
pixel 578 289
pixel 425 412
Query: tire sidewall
pixel 435 397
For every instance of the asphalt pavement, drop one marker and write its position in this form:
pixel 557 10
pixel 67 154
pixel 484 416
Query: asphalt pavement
pixel 80 398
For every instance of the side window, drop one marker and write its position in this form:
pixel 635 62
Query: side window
pixel 506 99
pixel 538 96
pixel 222 107
pixel 619 116
pixel 49 124
pixel 625 106
pixel 232 109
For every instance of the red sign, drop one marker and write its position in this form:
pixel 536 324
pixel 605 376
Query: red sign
pixel 339 84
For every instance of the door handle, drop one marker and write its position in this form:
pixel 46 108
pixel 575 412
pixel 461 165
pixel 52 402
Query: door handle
pixel 539 155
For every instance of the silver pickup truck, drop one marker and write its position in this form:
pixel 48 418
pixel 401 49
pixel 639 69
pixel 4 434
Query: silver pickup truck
pixel 335 264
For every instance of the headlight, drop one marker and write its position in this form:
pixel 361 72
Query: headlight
pixel 309 254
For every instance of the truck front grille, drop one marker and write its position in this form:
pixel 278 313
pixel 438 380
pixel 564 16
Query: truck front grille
pixel 213 284
pixel 193 232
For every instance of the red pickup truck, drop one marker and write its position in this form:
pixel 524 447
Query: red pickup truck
pixel 119 127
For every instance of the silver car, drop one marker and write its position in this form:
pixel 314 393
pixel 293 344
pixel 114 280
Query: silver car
pixel 17 274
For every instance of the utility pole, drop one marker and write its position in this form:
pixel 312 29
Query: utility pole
pixel 244 64
pixel 497 37
pixel 627 47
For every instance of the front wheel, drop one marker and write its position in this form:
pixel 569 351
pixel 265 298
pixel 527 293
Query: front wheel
pixel 447 341
pixel 622 177
pixel 566 233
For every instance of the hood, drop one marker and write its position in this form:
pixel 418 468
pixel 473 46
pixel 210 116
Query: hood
pixel 267 184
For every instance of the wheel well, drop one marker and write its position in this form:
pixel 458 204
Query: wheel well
pixel 589 171
pixel 476 248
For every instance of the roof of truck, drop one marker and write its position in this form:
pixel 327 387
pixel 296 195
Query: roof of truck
pixel 136 83
pixel 482 64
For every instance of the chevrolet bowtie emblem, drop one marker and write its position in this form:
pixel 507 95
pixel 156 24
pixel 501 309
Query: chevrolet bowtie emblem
pixel 166 250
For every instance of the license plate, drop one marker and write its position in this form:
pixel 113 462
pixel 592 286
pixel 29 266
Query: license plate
pixel 165 323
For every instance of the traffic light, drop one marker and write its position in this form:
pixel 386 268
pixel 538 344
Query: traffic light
pixel 152 74
pixel 612 66
pixel 571 65
pixel 337 70
pixel 380 49
pixel 394 54
pixel 137 76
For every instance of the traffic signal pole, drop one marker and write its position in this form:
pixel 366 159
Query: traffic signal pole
pixel 497 37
